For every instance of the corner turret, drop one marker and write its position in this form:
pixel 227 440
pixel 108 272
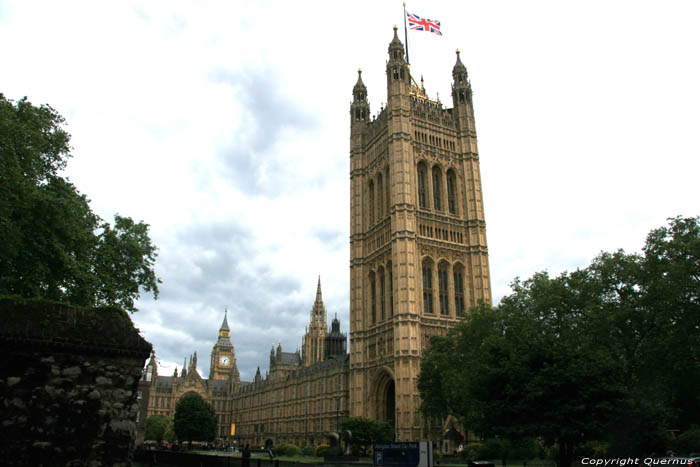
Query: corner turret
pixel 398 76
pixel 461 88
pixel 359 109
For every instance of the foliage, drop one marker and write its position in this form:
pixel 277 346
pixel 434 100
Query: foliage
pixel 170 434
pixel 195 419
pixel 156 426
pixel 688 441
pixel 288 450
pixel 321 450
pixel 366 432
pixel 309 450
pixel 51 243
pixel 607 353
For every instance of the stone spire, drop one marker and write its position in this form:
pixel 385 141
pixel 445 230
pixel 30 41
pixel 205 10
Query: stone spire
pixel 461 88
pixel 224 325
pixel 359 109
pixel 396 51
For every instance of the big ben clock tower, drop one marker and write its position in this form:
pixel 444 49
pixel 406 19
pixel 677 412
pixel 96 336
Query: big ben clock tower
pixel 223 356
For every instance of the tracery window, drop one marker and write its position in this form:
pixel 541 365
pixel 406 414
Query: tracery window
pixel 437 180
pixel 442 289
pixel 382 294
pixel 427 287
pixel 451 189
pixel 380 197
pixel 371 202
pixel 422 198
pixel 373 297
pixel 459 290
pixel 388 192
pixel 391 289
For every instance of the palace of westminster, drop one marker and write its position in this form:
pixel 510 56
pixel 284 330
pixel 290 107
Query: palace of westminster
pixel 418 261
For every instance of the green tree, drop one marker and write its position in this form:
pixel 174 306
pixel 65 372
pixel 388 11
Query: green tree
pixel 170 434
pixel 51 243
pixel 607 352
pixel 366 432
pixel 195 419
pixel 156 427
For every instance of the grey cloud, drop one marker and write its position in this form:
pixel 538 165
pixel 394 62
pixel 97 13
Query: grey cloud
pixel 330 238
pixel 268 113
pixel 198 285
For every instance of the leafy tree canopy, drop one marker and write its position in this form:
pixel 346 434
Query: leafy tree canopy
pixel 610 352
pixel 195 419
pixel 156 427
pixel 366 432
pixel 51 243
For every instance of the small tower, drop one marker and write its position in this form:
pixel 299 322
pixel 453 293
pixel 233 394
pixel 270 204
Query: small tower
pixel 313 341
pixel 150 373
pixel 336 342
pixel 223 357
pixel 359 109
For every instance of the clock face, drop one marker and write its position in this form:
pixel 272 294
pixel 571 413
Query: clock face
pixel 224 360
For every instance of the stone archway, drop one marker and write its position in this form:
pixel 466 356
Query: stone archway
pixel 384 395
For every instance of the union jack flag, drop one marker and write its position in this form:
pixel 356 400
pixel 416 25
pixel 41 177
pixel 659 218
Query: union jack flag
pixel 419 24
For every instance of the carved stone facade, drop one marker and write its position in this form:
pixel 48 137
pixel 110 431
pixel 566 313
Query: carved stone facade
pixel 418 261
pixel 418 254
pixel 298 401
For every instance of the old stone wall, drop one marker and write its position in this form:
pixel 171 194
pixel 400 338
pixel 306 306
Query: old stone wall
pixel 68 380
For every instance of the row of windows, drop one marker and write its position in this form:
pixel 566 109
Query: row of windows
pixel 443 290
pixel 305 389
pixel 381 286
pixel 381 193
pixel 435 140
pixel 438 189
pixel 305 426
pixel 441 234
pixel 318 406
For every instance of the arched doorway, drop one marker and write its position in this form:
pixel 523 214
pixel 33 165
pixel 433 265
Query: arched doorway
pixel 385 396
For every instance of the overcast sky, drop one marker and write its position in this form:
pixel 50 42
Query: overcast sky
pixel 225 126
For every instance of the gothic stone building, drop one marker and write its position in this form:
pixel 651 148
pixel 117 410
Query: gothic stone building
pixel 299 400
pixel 418 261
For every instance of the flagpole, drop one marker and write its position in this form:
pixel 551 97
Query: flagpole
pixel 405 31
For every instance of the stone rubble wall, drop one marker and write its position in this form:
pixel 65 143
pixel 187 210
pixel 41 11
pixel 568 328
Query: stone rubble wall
pixel 68 380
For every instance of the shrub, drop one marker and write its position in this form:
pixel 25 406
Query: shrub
pixel 321 450
pixel 309 450
pixel 288 450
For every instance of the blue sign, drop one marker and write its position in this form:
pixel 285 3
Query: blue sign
pixel 396 454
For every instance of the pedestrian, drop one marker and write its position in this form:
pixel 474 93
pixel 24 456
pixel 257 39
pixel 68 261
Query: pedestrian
pixel 246 456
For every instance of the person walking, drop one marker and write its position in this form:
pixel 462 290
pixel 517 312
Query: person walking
pixel 246 456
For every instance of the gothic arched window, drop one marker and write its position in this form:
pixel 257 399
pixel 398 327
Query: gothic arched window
pixel 451 191
pixel 427 286
pixel 442 288
pixel 373 297
pixel 437 182
pixel 391 289
pixel 422 198
pixel 371 202
pixel 380 197
pixel 382 295
pixel 459 289
pixel 388 193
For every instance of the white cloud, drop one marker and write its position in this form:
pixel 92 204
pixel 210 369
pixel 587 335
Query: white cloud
pixel 225 126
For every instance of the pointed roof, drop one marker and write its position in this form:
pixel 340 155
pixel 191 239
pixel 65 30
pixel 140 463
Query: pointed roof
pixel 459 66
pixel 319 298
pixel 396 43
pixel 359 85
pixel 224 325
